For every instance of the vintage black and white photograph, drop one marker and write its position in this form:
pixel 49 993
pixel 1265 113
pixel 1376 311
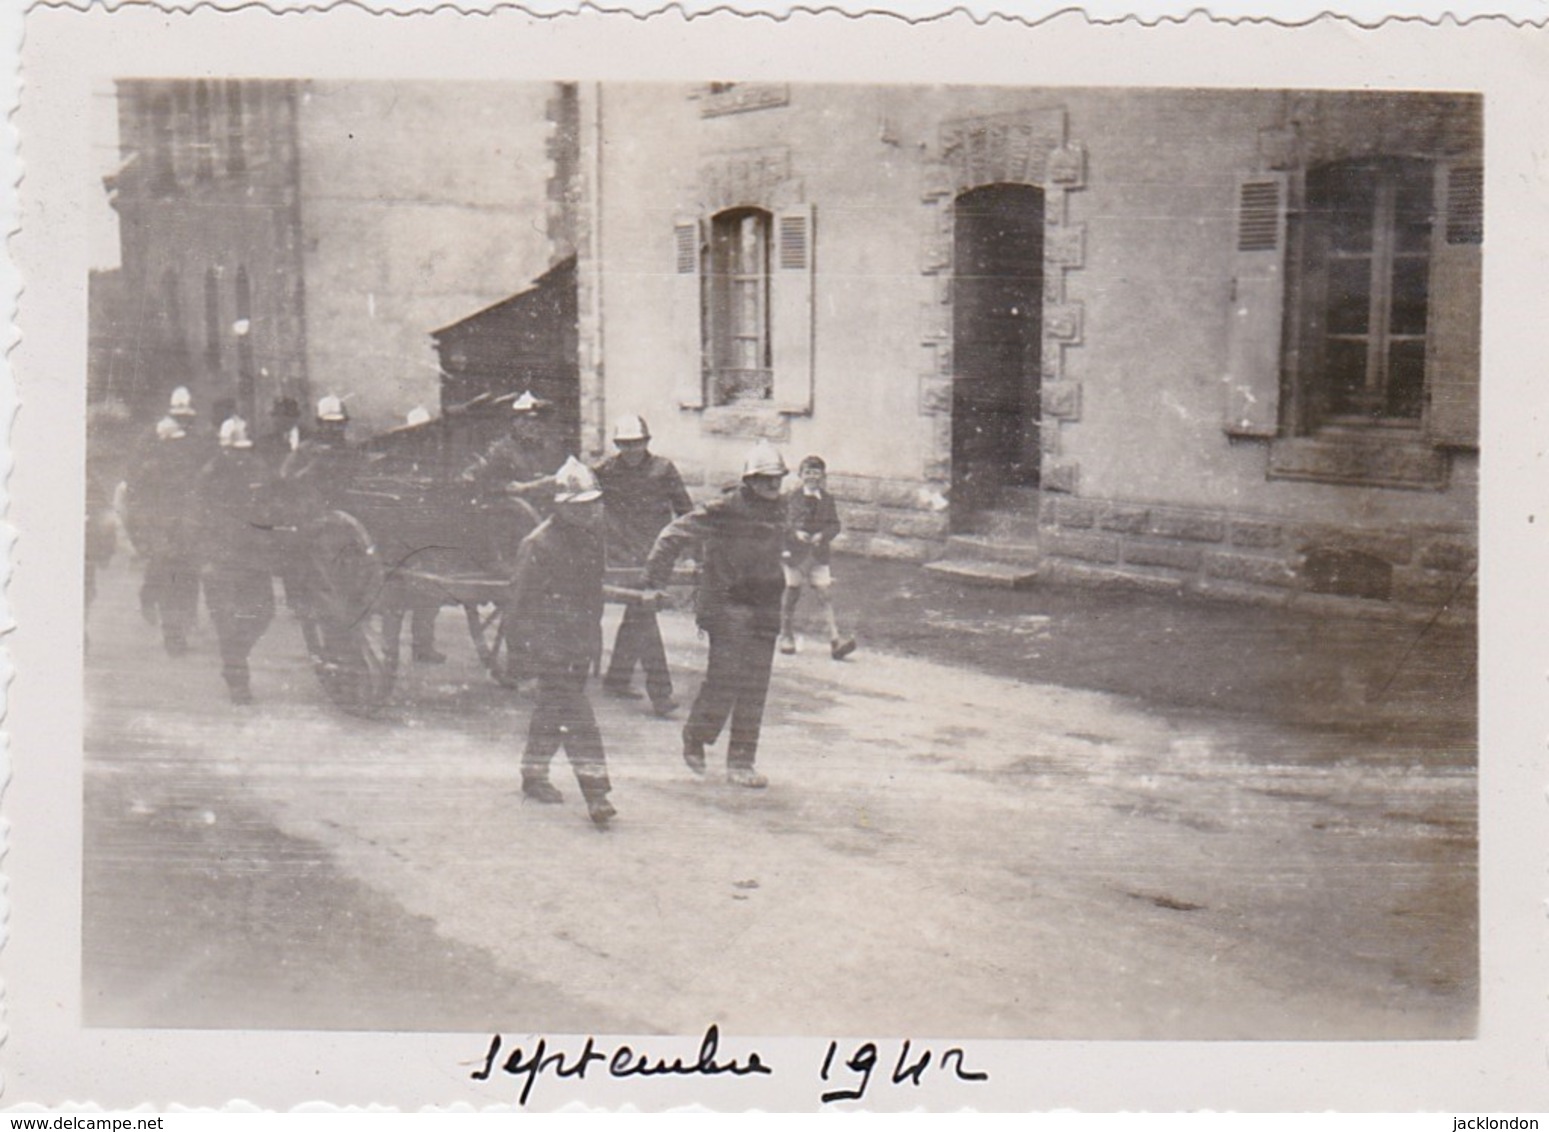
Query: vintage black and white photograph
pixel 614 557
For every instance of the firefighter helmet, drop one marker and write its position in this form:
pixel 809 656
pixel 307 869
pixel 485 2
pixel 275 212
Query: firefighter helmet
pixel 527 403
pixel 418 415
pixel 234 433
pixel 182 404
pixel 331 408
pixel 631 428
pixel 575 483
pixel 764 460
pixel 168 429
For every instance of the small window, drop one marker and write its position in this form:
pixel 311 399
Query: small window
pixel 1368 250
pixel 737 303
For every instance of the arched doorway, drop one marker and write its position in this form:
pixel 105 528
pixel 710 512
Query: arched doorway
pixel 997 335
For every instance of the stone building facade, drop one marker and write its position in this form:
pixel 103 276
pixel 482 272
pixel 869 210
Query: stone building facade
pixel 297 238
pixel 1198 341
pixel 209 213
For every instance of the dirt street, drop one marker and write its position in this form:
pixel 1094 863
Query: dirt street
pixel 950 845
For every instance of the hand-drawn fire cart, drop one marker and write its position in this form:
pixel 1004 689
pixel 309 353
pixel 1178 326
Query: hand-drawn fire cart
pixel 400 529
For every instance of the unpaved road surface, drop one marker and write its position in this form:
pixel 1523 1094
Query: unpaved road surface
pixel 946 848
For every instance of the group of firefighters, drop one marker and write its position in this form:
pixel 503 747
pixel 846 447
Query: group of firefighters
pixel 203 517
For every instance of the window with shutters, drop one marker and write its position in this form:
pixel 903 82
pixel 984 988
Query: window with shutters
pixel 1367 232
pixel 741 314
pixel 737 306
pixel 1353 333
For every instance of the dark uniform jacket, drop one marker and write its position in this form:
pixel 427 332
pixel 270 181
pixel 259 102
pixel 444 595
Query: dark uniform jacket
pixel 814 514
pixel 319 474
pixel 276 447
pixel 742 536
pixel 556 595
pixel 510 460
pixel 236 502
pixel 639 502
pixel 160 496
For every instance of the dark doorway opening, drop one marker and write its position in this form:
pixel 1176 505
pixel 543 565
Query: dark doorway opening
pixel 997 336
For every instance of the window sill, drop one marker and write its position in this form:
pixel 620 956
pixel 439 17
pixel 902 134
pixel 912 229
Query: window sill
pixel 758 422
pixel 1376 458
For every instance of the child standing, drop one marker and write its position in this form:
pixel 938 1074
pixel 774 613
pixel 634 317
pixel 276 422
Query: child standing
pixel 812 524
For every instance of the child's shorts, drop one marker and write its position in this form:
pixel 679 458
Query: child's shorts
pixel 815 574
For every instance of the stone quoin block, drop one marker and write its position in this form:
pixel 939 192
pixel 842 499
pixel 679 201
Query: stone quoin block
pixel 1062 322
pixel 1172 555
pixel 1062 476
pixel 1125 520
pixel 1060 400
pixel 1087 547
pixel 935 395
pixel 1250 568
pixel 1185 525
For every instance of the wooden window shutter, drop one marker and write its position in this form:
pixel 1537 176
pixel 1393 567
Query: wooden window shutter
pixel 1256 316
pixel 1452 317
pixel 790 310
pixel 688 340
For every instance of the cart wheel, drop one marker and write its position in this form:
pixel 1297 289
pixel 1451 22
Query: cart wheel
pixel 487 627
pixel 348 584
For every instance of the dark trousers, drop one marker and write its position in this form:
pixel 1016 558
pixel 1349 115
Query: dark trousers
pixel 241 601
pixel 171 587
pixel 298 580
pixel 742 646
pixel 639 641
pixel 564 717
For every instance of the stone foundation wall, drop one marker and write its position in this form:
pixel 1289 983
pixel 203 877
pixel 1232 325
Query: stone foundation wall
pixel 1418 570
pixel 1412 571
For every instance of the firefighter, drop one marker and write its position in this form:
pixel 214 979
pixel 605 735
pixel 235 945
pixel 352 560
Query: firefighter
pixel 556 610
pixel 159 505
pixel 235 495
pixel 181 407
pixel 285 435
pixel 641 494
pixel 314 478
pixel 738 608
pixel 520 463
pixel 323 465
